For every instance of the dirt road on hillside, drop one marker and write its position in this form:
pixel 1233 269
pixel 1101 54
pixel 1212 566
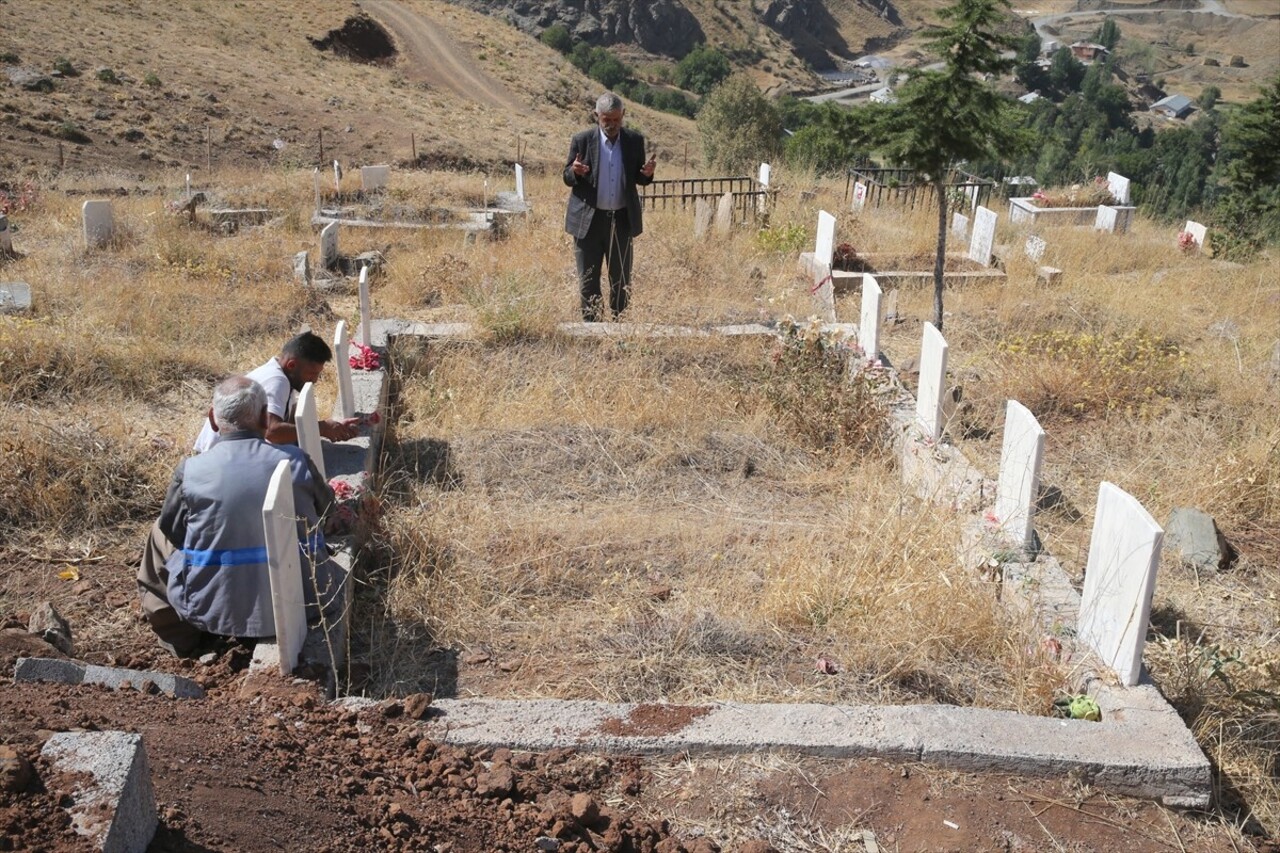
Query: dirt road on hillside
pixel 432 57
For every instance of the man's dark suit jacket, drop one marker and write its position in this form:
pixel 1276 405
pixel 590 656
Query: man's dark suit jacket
pixel 582 199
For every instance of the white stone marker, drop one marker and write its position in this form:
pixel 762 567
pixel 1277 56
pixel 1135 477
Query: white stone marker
pixel 891 306
pixel 6 240
pixel 302 268
pixel 1197 231
pixel 869 320
pixel 337 180
pixel 366 314
pixel 374 177
pixel 1115 606
pixel 984 235
pixel 762 201
pixel 1119 187
pixel 315 180
pixel 329 246
pixel 933 378
pixel 99 224
pixel 824 292
pixel 971 193
pixel 825 245
pixel 765 171
pixel 1021 455
pixel 308 425
pixel 859 195
pixel 1035 248
pixel 702 215
pixel 111 803
pixel 1106 219
pixel 342 353
pixel 724 214
pixel 519 182
pixel 960 226
pixel 284 567
pixel 15 296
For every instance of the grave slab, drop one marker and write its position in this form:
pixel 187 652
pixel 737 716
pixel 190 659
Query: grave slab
pixel 1106 219
pixel 15 297
pixel 984 235
pixel 73 672
pixel 933 377
pixel 1021 455
pixel 374 177
pixel 284 567
pixel 98 223
pixel 113 804
pixel 1120 577
pixel 1192 536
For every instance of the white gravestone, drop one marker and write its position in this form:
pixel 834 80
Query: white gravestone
pixel 6 240
pixel 519 182
pixel 824 292
pixel 1115 605
pixel 1119 187
pixel 825 245
pixel 337 180
pixel 762 201
pixel 99 224
pixel 859 195
pixel 960 226
pixel 284 567
pixel 374 177
pixel 1197 231
pixel 302 268
pixel 329 246
pixel 1035 248
pixel 366 313
pixel 869 320
pixel 984 235
pixel 971 193
pixel 765 172
pixel 933 378
pixel 891 306
pixel 315 180
pixel 342 354
pixel 307 423
pixel 1021 455
pixel 1106 219
pixel 15 296
pixel 702 215
pixel 724 214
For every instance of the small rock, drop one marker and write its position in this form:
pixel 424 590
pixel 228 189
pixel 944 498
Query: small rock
pixel 584 808
pixel 1193 536
pixel 475 658
pixel 392 709
pixel 547 844
pixel 757 846
pixel 417 705
pixel 209 658
pixel 15 771
pixel 48 624
pixel 509 665
pixel 660 592
pixel 496 782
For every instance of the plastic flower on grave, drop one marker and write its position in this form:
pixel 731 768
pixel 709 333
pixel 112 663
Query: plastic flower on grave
pixel 366 358
pixel 1186 241
pixel 1039 196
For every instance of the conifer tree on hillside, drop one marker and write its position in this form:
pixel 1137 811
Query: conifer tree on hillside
pixel 950 115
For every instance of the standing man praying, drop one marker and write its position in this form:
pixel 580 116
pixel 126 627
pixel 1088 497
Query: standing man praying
pixel 604 167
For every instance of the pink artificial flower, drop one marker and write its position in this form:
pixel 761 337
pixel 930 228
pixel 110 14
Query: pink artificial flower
pixel 366 358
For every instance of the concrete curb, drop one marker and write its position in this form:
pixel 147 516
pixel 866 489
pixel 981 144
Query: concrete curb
pixel 72 672
pixel 116 809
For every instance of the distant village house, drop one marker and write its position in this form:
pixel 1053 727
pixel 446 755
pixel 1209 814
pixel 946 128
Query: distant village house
pixel 1174 106
pixel 1087 51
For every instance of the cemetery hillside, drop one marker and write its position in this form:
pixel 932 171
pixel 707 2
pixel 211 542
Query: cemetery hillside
pixel 924 496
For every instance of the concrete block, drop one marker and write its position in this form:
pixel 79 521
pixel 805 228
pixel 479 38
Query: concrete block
pixel 167 683
pixel 48 669
pixel 115 806
pixel 1048 275
pixel 15 297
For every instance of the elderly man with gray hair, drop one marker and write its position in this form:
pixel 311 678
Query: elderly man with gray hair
pixel 204 570
pixel 605 165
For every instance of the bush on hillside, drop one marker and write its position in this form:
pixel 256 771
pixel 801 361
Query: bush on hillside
pixel 739 126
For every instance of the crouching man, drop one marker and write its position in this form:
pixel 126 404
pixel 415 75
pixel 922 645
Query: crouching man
pixel 204 568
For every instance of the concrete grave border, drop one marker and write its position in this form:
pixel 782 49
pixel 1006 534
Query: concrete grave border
pixel 1141 748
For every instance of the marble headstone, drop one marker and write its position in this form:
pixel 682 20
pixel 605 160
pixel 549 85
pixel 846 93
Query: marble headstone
pixel 702 214
pixel 1119 187
pixel 859 195
pixel 374 177
pixel 824 246
pixel 933 378
pixel 960 226
pixel 724 214
pixel 984 235
pixel 1021 455
pixel 1197 231
pixel 329 246
pixel 1106 219
pixel 869 320
pixel 342 357
pixel 366 310
pixel 307 422
pixel 519 182
pixel 284 567
pixel 99 223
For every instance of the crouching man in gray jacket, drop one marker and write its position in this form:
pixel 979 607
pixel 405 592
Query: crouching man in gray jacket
pixel 204 568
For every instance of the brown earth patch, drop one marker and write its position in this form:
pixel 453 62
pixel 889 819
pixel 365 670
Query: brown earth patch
pixel 654 720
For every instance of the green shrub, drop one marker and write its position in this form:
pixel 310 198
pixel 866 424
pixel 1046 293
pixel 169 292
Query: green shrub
pixel 152 80
pixel 71 132
pixel 557 38
pixel 702 69
pixel 107 75
pixel 64 67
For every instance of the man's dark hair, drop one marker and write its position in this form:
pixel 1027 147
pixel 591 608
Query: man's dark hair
pixel 307 347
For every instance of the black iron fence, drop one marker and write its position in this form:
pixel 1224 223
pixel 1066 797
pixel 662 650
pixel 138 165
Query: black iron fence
pixel 750 197
pixel 904 188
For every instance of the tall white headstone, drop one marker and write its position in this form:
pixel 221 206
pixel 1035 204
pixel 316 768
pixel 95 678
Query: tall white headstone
pixel 824 292
pixel 366 314
pixel 971 193
pixel 307 423
pixel 1119 579
pixel 1119 187
pixel 1197 231
pixel 702 214
pixel 724 214
pixel 374 177
pixel 960 226
pixel 984 235
pixel 765 172
pixel 1106 219
pixel 933 378
pixel 859 195
pixel 825 245
pixel 1021 455
pixel 1035 248
pixel 762 201
pixel 284 567
pixel 869 321
pixel 519 182
pixel 337 180
pixel 342 354
pixel 329 246
pixel 99 223
pixel 188 185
